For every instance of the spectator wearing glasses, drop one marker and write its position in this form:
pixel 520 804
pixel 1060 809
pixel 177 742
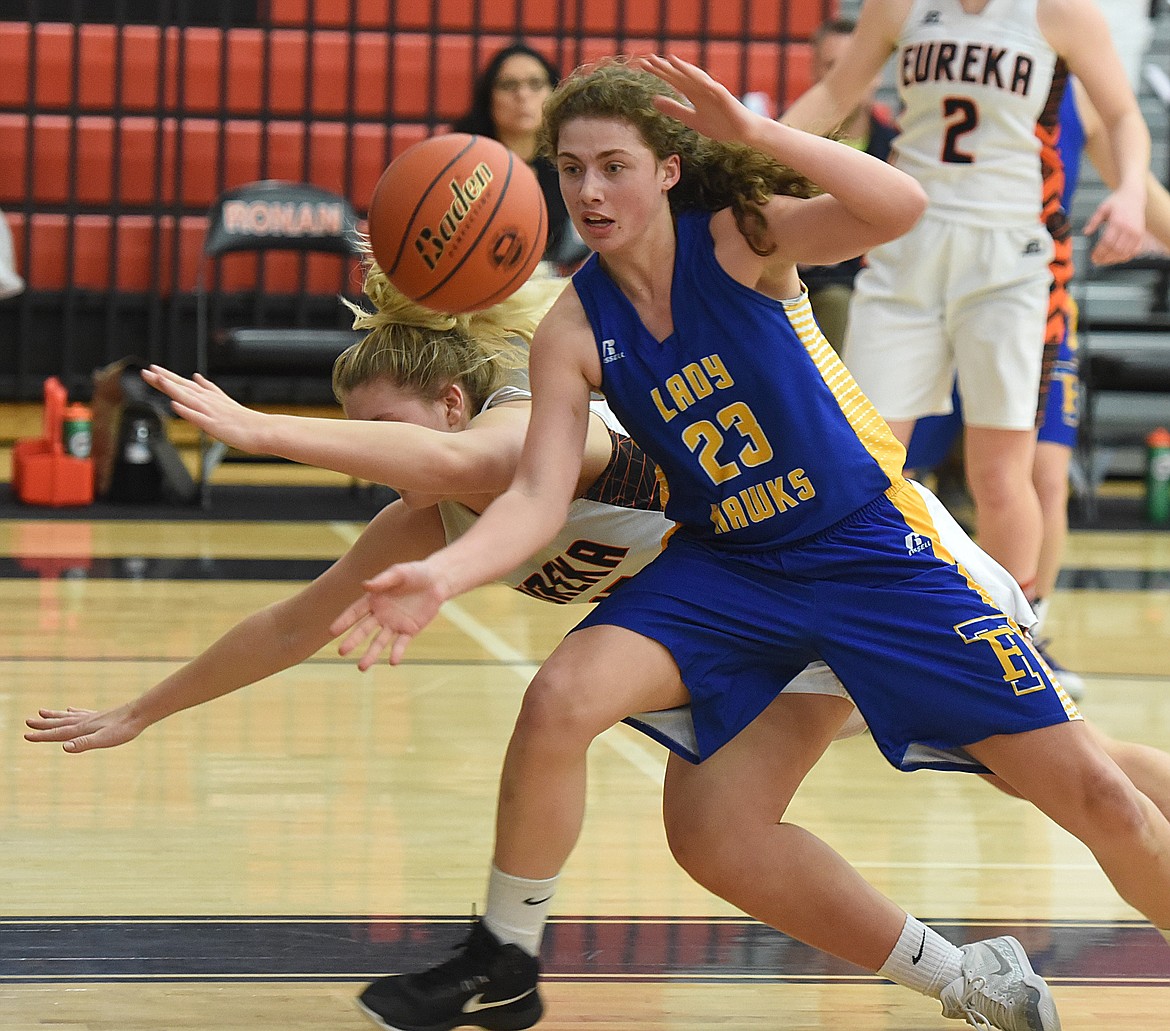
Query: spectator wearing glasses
pixel 506 105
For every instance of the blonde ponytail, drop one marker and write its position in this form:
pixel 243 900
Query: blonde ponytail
pixel 424 350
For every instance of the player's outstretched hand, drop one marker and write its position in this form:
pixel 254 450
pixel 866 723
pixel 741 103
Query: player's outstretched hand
pixel 80 730
pixel 397 604
pixel 203 404
pixel 715 111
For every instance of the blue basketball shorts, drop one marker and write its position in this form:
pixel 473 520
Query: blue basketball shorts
pixel 932 664
pixel 1062 411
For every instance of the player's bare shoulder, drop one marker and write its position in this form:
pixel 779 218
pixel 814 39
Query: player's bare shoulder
pixel 565 335
pixel 880 21
pixel 1071 26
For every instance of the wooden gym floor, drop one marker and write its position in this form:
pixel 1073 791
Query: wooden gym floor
pixel 248 864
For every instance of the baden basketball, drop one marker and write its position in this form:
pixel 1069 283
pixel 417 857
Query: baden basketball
pixel 458 222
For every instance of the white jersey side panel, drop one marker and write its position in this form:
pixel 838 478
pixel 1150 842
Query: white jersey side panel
pixel 984 570
pixel 973 87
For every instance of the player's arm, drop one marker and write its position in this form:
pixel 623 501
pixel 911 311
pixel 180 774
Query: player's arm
pixel 826 105
pixel 266 642
pixel 563 367
pixel 866 201
pixel 1100 153
pixel 1079 32
pixel 479 459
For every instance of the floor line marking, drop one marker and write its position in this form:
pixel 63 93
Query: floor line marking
pixel 618 739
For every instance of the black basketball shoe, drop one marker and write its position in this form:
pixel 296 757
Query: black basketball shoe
pixel 486 985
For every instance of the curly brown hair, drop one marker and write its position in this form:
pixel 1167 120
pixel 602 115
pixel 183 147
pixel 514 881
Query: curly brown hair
pixel 714 174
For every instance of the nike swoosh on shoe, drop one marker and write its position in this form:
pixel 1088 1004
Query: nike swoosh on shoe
pixel 476 1003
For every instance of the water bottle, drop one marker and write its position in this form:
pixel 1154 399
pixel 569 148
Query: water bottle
pixel 136 450
pixel 77 431
pixel 136 478
pixel 1158 477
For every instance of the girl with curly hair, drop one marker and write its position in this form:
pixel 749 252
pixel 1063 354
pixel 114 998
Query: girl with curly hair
pixel 797 538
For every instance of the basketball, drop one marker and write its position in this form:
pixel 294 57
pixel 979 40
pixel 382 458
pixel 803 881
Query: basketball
pixel 458 222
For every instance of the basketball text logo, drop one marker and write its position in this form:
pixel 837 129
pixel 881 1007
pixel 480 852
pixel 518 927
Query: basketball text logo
pixel 430 243
pixel 509 248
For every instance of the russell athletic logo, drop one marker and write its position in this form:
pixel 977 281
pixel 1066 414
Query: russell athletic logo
pixel 916 542
pixel 432 240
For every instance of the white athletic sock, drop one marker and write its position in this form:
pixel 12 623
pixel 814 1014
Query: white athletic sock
pixel 1040 607
pixel 517 909
pixel 923 960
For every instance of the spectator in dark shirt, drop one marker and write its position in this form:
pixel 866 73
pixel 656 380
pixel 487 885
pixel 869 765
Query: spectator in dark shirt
pixel 506 105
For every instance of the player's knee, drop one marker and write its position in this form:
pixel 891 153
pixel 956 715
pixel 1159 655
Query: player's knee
pixel 696 837
pixel 693 846
pixel 993 483
pixel 1051 485
pixel 559 707
pixel 1110 805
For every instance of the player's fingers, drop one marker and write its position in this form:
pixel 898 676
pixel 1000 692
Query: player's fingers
pixel 203 381
pixel 160 374
pixel 1115 244
pixel 686 70
pixel 672 108
pixel 386 580
pixel 191 415
pixel 685 84
pixel 657 65
pixel 376 648
pixel 170 382
pixel 399 648
pixel 360 632
pixel 350 617
pixel 60 713
pixel 59 732
pixel 81 744
pixel 43 722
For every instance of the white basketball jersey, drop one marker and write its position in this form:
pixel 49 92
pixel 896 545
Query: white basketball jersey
pixel 602 543
pixel 973 87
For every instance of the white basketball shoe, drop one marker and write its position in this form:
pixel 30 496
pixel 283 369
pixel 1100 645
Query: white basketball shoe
pixel 999 989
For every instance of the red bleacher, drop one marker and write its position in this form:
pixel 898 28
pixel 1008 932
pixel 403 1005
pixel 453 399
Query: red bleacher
pixel 757 19
pixel 116 136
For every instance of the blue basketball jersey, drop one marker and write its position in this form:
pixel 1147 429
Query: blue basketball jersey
pixel 760 432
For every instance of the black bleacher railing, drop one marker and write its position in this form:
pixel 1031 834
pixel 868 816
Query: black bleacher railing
pixel 121 121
